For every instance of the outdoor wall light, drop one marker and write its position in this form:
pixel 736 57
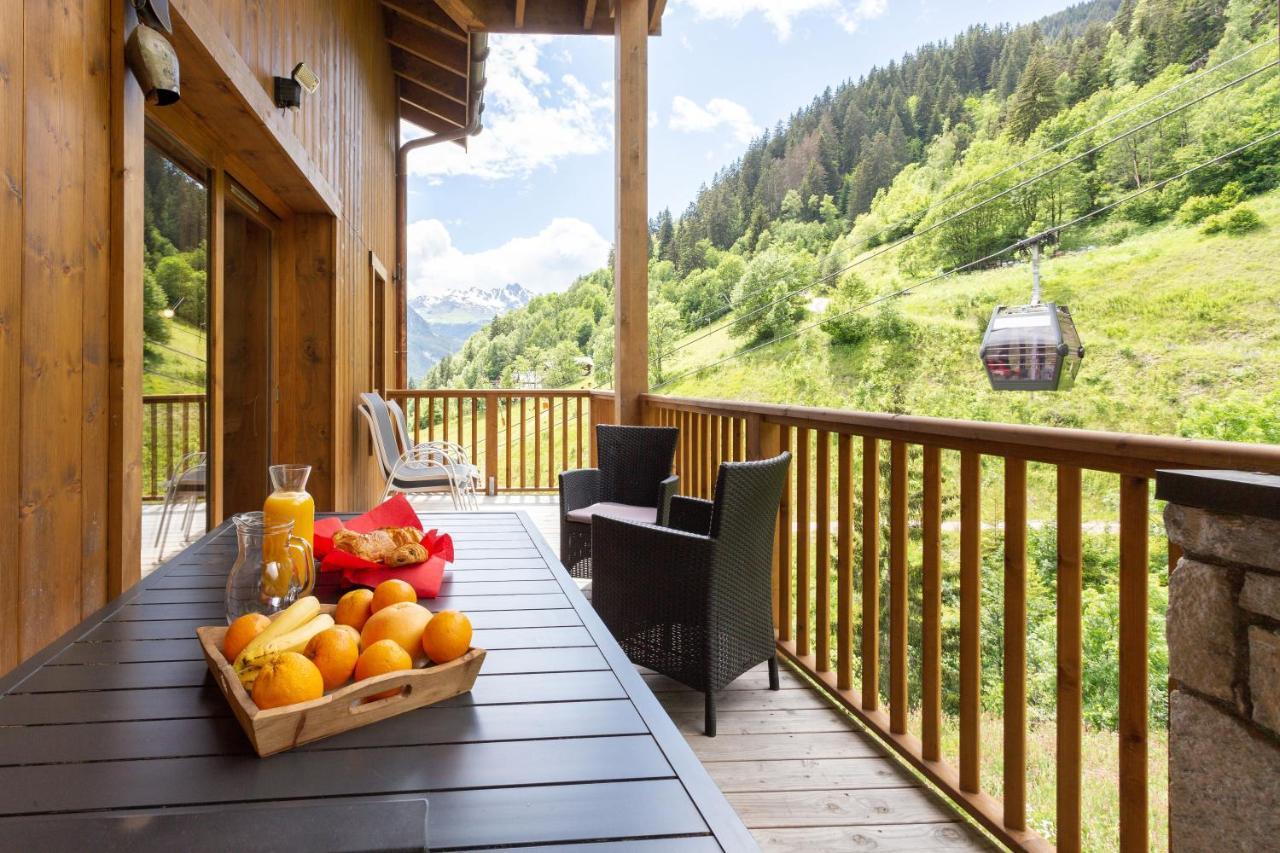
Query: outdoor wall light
pixel 289 89
pixel 150 56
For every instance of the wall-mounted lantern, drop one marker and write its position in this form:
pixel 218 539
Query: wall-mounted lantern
pixel 289 89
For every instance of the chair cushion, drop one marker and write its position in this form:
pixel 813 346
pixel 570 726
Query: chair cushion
pixel 626 512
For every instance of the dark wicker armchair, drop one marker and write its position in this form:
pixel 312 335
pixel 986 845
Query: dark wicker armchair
pixel 693 601
pixel 634 482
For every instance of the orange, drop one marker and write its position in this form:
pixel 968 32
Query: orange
pixel 287 679
pixel 347 629
pixel 241 632
pixel 334 652
pixel 354 608
pixel 382 657
pixel 447 636
pixel 390 592
pixel 402 622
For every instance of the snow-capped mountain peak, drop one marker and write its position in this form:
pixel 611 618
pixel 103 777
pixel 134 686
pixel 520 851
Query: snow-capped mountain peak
pixel 470 306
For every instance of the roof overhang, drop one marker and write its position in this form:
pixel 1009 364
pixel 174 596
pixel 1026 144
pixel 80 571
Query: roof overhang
pixel 438 48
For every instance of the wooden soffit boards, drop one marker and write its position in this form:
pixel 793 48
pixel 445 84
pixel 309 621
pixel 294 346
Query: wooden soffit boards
pixel 554 17
pixel 220 89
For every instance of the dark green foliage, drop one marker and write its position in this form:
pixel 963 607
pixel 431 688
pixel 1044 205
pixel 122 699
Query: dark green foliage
pixel 1035 98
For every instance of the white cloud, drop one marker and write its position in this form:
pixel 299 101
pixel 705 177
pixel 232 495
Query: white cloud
pixel 548 261
pixel 780 13
pixel 687 116
pixel 530 120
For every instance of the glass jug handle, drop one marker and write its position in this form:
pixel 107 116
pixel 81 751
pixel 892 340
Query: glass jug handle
pixel 304 566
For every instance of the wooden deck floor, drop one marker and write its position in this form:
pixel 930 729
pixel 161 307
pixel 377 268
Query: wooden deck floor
pixel 803 775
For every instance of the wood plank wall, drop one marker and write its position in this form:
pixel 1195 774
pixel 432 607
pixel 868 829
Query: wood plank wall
pixel 349 130
pixel 54 271
pixel 60 254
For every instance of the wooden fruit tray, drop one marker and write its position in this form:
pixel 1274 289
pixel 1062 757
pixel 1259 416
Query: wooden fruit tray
pixel 346 708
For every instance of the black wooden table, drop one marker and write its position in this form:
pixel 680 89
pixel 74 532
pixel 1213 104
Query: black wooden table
pixel 560 742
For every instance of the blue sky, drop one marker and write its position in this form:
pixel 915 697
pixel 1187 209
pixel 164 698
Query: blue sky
pixel 532 199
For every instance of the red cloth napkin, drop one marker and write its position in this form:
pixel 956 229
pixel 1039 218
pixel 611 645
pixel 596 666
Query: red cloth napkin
pixel 424 577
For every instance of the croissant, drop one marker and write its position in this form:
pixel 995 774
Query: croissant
pixel 407 555
pixel 383 546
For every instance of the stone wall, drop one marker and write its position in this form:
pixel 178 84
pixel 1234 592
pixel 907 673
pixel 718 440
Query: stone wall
pixel 1224 665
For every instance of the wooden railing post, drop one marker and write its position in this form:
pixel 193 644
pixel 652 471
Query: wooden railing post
pixel 1070 733
pixel 1015 643
pixel 764 440
pixel 491 442
pixel 870 574
pixel 970 621
pixel 1134 569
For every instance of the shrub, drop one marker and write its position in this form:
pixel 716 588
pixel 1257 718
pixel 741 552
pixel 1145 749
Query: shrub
pixel 1198 208
pixel 1144 209
pixel 1239 220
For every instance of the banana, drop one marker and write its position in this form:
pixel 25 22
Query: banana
pixel 294 616
pixel 294 641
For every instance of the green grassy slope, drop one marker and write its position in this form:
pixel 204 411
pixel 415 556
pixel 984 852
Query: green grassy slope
pixel 180 368
pixel 1181 330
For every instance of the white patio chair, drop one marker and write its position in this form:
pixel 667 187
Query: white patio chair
pixel 423 469
pixel 187 482
pixel 474 480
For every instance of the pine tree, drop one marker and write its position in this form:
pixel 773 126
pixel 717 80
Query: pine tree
pixel 1035 98
pixel 666 239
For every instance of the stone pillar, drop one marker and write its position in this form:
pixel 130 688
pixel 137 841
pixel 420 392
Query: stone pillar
pixel 1224 659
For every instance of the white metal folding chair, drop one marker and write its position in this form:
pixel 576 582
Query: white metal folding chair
pixel 467 478
pixel 187 482
pixel 423 469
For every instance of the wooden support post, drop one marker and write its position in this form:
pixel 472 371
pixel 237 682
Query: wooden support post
pixel 124 353
pixel 631 263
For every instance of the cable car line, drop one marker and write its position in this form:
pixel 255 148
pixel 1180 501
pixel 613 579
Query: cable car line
pixel 978 205
pixel 1035 238
pixel 720 312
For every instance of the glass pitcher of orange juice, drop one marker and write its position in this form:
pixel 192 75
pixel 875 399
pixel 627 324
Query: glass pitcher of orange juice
pixel 290 502
pixel 273 568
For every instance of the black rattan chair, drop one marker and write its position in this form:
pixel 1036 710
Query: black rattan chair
pixel 693 601
pixel 634 482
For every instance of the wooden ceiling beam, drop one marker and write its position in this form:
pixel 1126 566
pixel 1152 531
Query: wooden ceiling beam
pixel 429 75
pixel 656 8
pixel 462 13
pixel 431 102
pixel 427 44
pixel 589 15
pixel 519 14
pixel 427 14
pixel 498 16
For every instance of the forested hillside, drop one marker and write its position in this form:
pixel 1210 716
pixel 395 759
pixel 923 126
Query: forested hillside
pixel 936 164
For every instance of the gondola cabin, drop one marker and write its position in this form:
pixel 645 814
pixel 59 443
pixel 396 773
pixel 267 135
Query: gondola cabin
pixel 1031 348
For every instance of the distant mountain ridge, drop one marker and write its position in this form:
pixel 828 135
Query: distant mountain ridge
pixel 439 323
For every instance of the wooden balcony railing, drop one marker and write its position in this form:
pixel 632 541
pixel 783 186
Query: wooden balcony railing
pixel 173 425
pixel 897 509
pixel 850 471
pixel 522 440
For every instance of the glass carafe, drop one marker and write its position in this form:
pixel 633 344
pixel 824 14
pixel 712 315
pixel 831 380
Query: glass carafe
pixel 272 570
pixel 289 500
